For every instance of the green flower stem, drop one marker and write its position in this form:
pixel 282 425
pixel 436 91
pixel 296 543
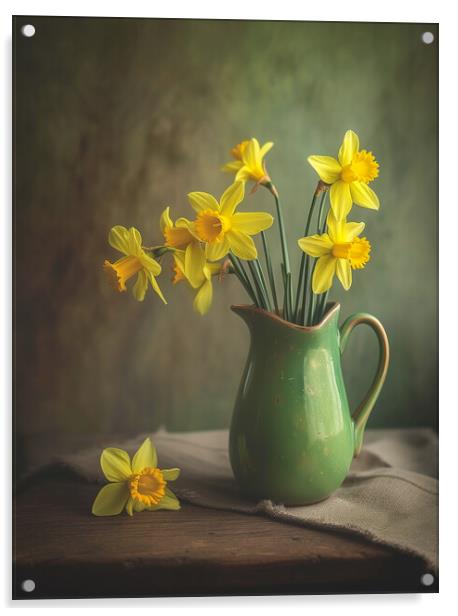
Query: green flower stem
pixel 283 275
pixel 311 309
pixel 321 218
pixel 251 283
pixel 307 293
pixel 305 257
pixel 284 249
pixel 258 285
pixel 318 311
pixel 262 279
pixel 244 273
pixel 270 271
pixel 321 308
pixel 158 251
pixel 241 275
pixel 288 299
pixel 308 261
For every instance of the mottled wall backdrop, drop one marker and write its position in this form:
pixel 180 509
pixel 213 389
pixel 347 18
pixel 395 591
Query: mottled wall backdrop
pixel 117 118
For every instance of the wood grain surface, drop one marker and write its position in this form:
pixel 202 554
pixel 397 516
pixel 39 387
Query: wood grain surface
pixel 195 551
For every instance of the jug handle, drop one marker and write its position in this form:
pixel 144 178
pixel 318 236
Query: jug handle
pixel 362 412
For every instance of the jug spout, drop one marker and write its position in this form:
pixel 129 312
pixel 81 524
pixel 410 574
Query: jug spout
pixel 245 311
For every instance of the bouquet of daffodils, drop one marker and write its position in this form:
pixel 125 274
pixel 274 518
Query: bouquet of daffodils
pixel 219 238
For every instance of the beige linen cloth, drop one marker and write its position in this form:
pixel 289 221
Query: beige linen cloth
pixel 390 496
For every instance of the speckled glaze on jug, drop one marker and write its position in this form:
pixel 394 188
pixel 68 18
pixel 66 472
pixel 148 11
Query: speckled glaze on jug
pixel 292 436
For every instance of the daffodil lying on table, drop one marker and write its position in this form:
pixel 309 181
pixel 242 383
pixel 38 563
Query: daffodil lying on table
pixel 220 238
pixel 134 486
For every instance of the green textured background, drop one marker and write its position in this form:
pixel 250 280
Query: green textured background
pixel 115 119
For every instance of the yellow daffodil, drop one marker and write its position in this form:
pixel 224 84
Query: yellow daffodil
pixel 179 237
pixel 349 176
pixel 201 278
pixel 249 161
pixel 135 261
pixel 222 228
pixel 136 485
pixel 339 251
pixel 176 235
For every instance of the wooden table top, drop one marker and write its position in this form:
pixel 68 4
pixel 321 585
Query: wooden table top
pixel 195 551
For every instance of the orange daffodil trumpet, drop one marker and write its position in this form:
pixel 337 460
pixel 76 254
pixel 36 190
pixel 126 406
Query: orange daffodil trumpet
pixel 176 235
pixel 223 229
pixel 249 161
pixel 338 252
pixel 349 176
pixel 135 262
pixel 134 486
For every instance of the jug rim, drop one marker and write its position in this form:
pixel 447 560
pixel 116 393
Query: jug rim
pixel 333 308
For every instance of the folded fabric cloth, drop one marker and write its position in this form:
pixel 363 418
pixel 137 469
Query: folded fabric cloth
pixel 389 497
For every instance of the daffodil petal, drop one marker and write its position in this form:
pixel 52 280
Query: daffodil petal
pixel 218 250
pixel 251 222
pixel 115 464
pixel 363 195
pixel 243 174
pixel 343 271
pixel 213 269
pixel 168 501
pixel 251 153
pixel 194 262
pixel 187 224
pixel 135 241
pixel 146 456
pixel 232 196
pixel 242 245
pixel 349 147
pixel 352 230
pixel 341 200
pixel 156 287
pixel 170 494
pixel 178 257
pixel 203 298
pixel 150 264
pixel 233 166
pixel 170 474
pixel 165 220
pixel 316 245
pixel 323 274
pixel 111 499
pixel 206 271
pixel 265 148
pixel 140 286
pixel 182 222
pixel 327 167
pixel 130 506
pixel 138 507
pixel 118 238
pixel 335 228
pixel 201 201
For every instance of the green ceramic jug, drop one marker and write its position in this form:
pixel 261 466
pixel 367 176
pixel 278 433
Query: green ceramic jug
pixel 292 436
